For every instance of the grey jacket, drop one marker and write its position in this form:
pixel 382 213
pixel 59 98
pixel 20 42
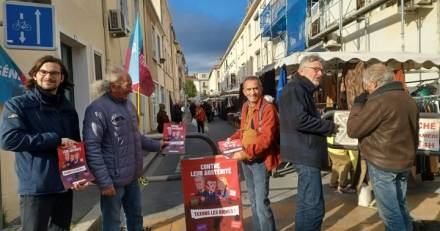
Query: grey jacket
pixel 114 146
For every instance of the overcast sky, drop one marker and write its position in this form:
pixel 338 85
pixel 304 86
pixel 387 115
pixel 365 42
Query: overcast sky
pixel 204 28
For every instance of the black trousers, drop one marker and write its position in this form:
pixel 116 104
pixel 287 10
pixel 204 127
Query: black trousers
pixel 46 212
pixel 200 126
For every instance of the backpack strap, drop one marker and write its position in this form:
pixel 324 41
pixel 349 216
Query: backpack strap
pixel 260 113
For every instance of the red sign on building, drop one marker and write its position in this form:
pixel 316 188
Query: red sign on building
pixel 211 194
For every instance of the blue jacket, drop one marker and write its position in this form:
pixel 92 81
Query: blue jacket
pixel 114 146
pixel 33 127
pixel 302 131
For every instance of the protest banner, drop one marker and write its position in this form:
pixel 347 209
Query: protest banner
pixel 211 194
pixel 429 134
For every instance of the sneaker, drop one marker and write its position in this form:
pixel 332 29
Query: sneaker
pixel 345 190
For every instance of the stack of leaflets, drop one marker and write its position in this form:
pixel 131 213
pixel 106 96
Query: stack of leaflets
pixel 72 165
pixel 175 135
pixel 228 148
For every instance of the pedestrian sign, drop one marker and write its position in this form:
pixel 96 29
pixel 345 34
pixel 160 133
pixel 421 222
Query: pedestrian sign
pixel 29 25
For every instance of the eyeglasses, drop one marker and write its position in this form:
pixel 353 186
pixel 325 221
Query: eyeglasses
pixel 316 69
pixel 52 73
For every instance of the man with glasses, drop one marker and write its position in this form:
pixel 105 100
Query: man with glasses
pixel 33 126
pixel 303 140
pixel 115 150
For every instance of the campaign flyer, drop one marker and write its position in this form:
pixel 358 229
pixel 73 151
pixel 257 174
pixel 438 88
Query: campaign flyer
pixel 72 165
pixel 211 194
pixel 175 135
pixel 228 148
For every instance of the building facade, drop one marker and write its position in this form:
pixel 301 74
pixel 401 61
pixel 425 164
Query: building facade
pixel 274 31
pixel 93 43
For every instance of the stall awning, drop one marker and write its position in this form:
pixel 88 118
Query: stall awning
pixel 408 59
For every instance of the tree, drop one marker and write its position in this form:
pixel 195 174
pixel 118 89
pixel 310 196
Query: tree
pixel 190 88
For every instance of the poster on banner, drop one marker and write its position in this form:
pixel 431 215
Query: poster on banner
pixel 211 194
pixel 72 165
pixel 175 135
pixel 228 148
pixel 429 134
pixel 340 118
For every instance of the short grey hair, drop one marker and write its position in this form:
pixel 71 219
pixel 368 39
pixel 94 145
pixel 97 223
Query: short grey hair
pixel 310 59
pixel 379 73
pixel 253 78
pixel 101 87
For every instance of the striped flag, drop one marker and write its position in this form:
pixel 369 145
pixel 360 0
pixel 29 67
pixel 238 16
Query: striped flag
pixel 135 63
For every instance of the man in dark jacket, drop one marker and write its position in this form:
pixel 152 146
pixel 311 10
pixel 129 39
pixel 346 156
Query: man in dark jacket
pixel 386 124
pixel 303 141
pixel 33 126
pixel 114 150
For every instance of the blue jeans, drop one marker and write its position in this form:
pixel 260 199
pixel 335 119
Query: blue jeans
pixel 257 183
pixel 129 197
pixel 310 207
pixel 390 192
pixel 51 212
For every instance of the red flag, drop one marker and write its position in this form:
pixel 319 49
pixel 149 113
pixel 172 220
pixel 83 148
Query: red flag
pixel 135 63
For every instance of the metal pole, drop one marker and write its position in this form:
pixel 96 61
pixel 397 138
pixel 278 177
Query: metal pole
pixel 286 38
pixel 1 193
pixel 402 24
pixel 340 24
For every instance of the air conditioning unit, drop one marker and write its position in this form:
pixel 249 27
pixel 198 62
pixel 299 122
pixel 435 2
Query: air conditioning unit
pixel 411 5
pixel 422 2
pixel 116 24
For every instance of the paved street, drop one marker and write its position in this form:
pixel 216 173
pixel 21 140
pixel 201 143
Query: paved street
pixel 163 209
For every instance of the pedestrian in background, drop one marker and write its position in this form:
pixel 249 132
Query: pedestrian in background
pixel 385 120
pixel 176 112
pixel 114 150
pixel 200 117
pixel 34 125
pixel 303 141
pixel 161 118
pixel 259 135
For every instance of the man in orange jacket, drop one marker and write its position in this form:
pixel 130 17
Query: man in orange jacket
pixel 259 134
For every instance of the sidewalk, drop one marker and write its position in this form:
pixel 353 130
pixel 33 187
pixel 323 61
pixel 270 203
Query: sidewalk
pixel 342 212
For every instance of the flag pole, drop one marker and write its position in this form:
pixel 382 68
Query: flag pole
pixel 138 104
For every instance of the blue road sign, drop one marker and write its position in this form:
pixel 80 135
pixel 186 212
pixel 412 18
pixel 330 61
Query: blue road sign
pixel 29 25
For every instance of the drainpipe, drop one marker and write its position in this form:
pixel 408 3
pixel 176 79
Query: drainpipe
pixel 402 25
pixel 438 27
pixel 351 18
pixel 106 34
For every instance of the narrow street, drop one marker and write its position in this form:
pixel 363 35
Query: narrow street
pixel 163 208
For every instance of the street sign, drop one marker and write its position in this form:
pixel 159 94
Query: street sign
pixel 29 25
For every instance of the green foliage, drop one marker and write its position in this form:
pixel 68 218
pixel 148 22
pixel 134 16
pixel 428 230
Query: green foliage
pixel 190 88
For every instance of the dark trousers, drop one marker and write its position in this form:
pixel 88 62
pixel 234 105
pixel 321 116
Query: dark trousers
pixel 46 212
pixel 200 126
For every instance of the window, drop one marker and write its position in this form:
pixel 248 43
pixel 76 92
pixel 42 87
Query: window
pixel 257 27
pixel 158 47
pixel 124 9
pixel 153 42
pixel 98 66
pixel 162 94
pixel 242 44
pixel 258 60
pixel 66 57
pixel 249 34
